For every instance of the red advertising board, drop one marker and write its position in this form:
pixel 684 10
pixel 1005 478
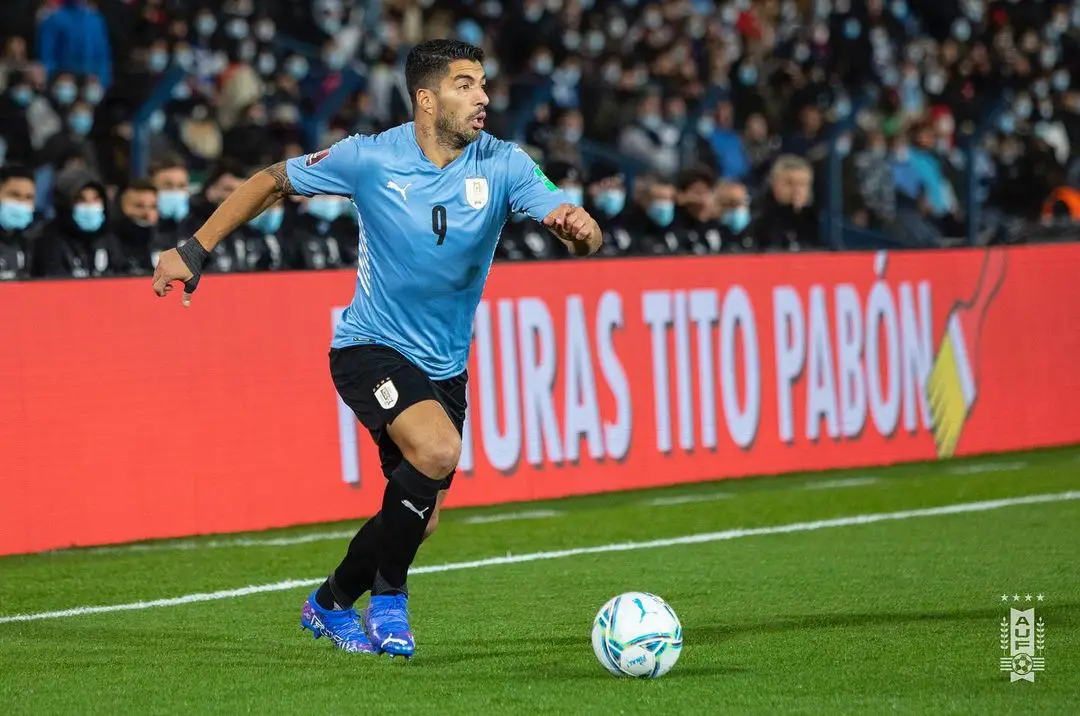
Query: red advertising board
pixel 125 417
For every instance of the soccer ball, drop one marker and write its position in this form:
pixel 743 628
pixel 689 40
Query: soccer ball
pixel 637 634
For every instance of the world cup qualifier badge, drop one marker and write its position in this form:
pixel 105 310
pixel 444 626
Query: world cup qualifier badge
pixel 1023 639
pixel 313 159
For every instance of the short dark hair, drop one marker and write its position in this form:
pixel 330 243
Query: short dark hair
pixel 169 160
pixel 140 185
pixel 695 175
pixel 15 171
pixel 429 62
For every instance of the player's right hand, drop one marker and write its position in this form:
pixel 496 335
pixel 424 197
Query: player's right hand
pixel 172 268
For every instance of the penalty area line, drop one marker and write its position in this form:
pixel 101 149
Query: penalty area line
pixel 725 535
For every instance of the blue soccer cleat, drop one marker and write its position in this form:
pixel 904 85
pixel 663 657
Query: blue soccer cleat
pixel 342 626
pixel 386 622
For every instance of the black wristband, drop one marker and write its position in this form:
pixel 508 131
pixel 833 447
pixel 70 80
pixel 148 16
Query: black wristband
pixel 194 256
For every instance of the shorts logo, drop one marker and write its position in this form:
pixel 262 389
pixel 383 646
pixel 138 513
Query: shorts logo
pixel 313 159
pixel 476 192
pixel 386 393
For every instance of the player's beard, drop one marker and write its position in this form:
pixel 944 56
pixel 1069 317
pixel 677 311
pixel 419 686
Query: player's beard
pixel 454 133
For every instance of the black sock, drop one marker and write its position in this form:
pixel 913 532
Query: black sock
pixel 407 505
pixel 356 573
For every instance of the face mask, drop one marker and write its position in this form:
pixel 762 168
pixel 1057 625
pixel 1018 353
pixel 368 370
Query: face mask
pixel 611 74
pixel 325 208
pixel 801 53
pixel 205 25
pixel 1061 81
pixel 902 154
pixel 65 93
pixel 182 92
pixel 185 59
pixel 491 68
pixel 570 76
pixel 654 20
pixel 264 30
pixel 899 9
pixel 157 121
pixel 22 96
pixel 543 65
pixel 267 64
pixel 247 51
pixel 88 217
pixel 662 212
pixel 237 28
pixel 1041 89
pixel 491 8
pixel 611 201
pixel 1048 58
pixel 158 61
pixel 961 30
pixel 852 29
pixel 533 13
pixel 748 75
pixel 879 152
pixel 1007 123
pixel 575 195
pixel 935 83
pixel 93 94
pixel 572 135
pixel 843 146
pixel 81 123
pixel 572 41
pixel 652 121
pixel 269 221
pixel 335 60
pixel 1023 109
pixel 499 103
pixel 15 215
pixel 594 42
pixel 297 67
pixel 736 219
pixel 705 126
pixel 173 204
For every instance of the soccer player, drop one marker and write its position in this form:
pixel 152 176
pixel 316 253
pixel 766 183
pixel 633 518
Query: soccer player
pixel 431 198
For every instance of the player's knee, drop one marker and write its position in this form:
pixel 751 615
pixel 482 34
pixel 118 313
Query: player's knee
pixel 438 457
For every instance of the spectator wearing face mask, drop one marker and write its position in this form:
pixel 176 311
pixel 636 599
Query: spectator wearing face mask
pixel 733 203
pixel 651 140
pixel 14 122
pixel 652 215
pixel 256 246
pixel 785 218
pixel 321 234
pixel 607 202
pixel 78 242
pixel 563 144
pixel 18 197
pixel 697 215
pixel 73 141
pixel 171 179
pixel 727 146
pixel 135 227
pixel 73 38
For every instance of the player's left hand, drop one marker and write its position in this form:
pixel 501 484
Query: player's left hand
pixel 573 226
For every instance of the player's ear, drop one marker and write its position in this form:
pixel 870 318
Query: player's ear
pixel 425 101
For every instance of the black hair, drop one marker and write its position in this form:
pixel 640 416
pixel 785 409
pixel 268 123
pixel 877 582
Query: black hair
pixel 15 171
pixel 168 160
pixel 139 185
pixel 429 62
pixel 694 175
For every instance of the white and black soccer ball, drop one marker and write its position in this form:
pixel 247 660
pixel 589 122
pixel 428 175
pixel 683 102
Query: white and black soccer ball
pixel 637 634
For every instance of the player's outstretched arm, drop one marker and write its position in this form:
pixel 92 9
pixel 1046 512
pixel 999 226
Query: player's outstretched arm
pixel 250 199
pixel 573 226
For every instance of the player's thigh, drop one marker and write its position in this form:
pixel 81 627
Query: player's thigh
pixel 427 438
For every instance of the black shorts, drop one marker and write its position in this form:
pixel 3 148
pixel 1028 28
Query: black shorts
pixel 378 384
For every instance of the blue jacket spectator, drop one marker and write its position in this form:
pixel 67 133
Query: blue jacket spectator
pixel 727 145
pixel 74 38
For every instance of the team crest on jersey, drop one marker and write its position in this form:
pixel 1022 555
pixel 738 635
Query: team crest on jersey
pixel 476 192
pixel 313 159
pixel 386 393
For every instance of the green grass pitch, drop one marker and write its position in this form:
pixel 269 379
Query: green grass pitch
pixel 897 615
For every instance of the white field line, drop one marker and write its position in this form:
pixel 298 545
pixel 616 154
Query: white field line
pixel 842 482
pixel 509 516
pixel 738 533
pixel 684 499
pixel 979 467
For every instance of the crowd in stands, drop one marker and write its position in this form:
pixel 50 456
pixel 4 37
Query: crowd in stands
pixel 685 126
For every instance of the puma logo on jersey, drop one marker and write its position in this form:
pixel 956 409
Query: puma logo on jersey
pixel 413 508
pixel 399 189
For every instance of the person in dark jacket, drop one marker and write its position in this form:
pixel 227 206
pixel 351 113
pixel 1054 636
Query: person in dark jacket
pixel 320 233
pixel 697 216
pixel 18 197
pixel 136 228
pixel 172 181
pixel 78 242
pixel 606 200
pixel 785 218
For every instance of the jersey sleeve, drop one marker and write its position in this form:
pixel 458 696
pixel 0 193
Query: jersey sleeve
pixel 329 171
pixel 531 192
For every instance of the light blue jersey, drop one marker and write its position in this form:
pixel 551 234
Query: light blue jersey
pixel 427 235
